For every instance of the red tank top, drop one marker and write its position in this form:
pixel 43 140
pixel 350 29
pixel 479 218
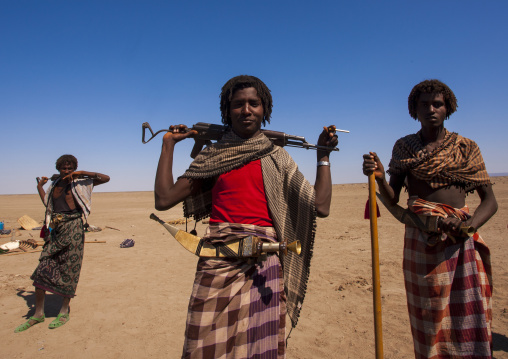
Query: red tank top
pixel 239 197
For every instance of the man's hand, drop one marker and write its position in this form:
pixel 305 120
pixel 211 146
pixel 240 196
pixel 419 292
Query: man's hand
pixel 452 226
pixel 177 133
pixel 372 164
pixel 328 137
pixel 42 181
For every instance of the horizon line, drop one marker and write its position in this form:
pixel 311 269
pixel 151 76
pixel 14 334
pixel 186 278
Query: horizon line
pixel 498 174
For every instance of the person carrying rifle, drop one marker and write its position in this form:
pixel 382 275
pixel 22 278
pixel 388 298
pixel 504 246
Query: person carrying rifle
pixel 447 274
pixel 67 200
pixel 248 186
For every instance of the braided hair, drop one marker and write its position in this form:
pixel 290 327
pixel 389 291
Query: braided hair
pixel 432 87
pixel 239 83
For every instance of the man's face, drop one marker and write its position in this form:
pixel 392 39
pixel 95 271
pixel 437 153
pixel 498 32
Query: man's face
pixel 65 169
pixel 246 112
pixel 431 110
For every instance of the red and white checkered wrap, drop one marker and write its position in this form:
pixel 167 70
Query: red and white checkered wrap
pixel 237 309
pixel 449 291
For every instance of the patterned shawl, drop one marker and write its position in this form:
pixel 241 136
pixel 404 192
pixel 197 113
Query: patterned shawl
pixel 290 201
pixel 457 161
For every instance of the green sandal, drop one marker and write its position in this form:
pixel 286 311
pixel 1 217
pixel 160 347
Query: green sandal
pixel 57 322
pixel 27 325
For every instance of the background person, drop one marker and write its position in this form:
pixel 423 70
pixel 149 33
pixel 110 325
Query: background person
pixel 68 199
pixel 447 275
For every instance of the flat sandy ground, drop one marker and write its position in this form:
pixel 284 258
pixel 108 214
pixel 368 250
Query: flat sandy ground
pixel 132 302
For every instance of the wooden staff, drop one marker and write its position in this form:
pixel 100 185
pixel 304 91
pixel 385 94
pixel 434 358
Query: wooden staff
pixel 15 253
pixel 40 244
pixel 375 268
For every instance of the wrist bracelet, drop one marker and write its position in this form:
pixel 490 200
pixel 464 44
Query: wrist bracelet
pixel 323 163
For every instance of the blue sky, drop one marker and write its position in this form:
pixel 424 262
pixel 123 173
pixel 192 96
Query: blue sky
pixel 81 77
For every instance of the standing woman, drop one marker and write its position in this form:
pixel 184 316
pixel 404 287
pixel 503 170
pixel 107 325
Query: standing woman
pixel 68 198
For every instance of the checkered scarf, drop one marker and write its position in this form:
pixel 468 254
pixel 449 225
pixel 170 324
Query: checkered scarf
pixel 225 155
pixel 457 161
pixel 289 195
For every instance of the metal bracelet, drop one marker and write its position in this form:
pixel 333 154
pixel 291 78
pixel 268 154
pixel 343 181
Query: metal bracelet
pixel 323 163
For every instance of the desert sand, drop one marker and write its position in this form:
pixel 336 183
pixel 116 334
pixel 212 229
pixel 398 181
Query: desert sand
pixel 132 302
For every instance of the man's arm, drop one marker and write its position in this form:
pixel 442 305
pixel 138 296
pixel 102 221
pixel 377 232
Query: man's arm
pixel 40 189
pixel 168 193
pixel 391 192
pixel 323 184
pixel 98 178
pixel 486 209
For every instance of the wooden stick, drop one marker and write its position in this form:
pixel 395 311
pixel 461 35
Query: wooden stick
pixel 42 243
pixel 39 250
pixel 375 268
pixel 13 254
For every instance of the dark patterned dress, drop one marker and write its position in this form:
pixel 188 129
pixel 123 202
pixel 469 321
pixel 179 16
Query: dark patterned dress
pixel 62 255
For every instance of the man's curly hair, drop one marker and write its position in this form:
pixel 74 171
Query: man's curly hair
pixel 70 159
pixel 242 82
pixel 433 87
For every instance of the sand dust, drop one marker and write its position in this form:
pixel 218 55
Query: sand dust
pixel 132 302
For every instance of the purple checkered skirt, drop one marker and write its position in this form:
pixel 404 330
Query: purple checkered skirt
pixel 237 309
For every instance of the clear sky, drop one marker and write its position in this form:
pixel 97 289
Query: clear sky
pixel 81 77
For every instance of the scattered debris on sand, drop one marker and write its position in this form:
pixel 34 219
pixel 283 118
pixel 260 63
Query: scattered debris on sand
pixel 28 223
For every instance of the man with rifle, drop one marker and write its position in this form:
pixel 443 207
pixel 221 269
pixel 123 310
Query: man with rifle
pixel 249 187
pixel 446 269
pixel 67 200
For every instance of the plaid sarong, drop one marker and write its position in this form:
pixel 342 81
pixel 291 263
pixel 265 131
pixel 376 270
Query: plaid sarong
pixel 456 161
pixel 61 258
pixel 237 307
pixel 449 291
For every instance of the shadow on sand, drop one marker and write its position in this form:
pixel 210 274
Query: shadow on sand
pixel 500 343
pixel 52 303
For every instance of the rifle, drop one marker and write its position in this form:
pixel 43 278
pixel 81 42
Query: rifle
pixel 207 132
pixel 53 178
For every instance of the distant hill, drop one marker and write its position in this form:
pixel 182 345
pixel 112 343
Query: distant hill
pixel 499 174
